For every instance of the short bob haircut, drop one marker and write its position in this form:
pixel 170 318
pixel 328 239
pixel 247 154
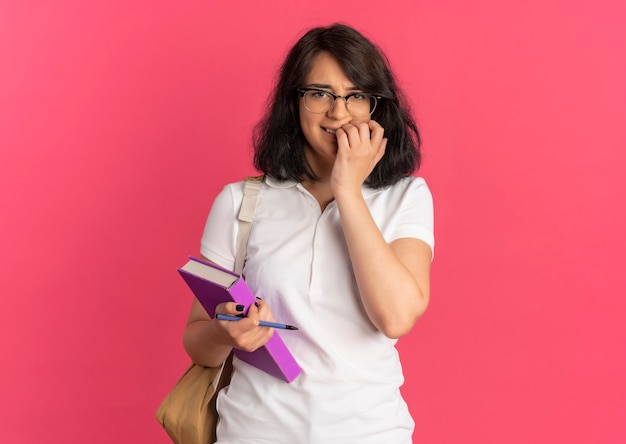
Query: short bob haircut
pixel 278 138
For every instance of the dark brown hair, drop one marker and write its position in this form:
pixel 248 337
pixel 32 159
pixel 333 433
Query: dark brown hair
pixel 278 138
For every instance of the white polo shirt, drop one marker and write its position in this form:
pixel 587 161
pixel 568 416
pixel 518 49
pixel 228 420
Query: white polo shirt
pixel 298 262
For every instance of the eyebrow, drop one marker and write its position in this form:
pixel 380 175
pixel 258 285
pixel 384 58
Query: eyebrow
pixel 324 86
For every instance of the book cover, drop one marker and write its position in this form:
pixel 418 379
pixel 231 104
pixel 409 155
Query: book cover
pixel 212 285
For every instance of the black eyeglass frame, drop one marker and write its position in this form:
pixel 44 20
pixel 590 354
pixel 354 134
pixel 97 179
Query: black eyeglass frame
pixel 303 91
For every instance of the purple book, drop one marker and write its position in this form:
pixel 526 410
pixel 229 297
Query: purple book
pixel 212 285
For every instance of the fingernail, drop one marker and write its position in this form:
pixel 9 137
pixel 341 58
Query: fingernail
pixel 239 307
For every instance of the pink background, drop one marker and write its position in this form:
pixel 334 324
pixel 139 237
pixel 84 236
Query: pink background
pixel 121 120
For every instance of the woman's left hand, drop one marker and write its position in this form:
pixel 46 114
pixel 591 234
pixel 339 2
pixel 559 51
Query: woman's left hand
pixel 360 147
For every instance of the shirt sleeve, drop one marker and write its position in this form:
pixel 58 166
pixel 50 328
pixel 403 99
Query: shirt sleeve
pixel 218 240
pixel 416 215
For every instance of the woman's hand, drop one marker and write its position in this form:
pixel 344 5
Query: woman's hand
pixel 245 334
pixel 393 278
pixel 360 148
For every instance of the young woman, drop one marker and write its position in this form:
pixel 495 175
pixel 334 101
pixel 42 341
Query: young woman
pixel 341 247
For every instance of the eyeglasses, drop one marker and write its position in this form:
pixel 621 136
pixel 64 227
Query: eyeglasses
pixel 319 101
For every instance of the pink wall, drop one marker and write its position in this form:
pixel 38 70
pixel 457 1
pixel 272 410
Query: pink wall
pixel 120 121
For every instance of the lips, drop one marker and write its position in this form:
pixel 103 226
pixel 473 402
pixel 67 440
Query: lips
pixel 330 130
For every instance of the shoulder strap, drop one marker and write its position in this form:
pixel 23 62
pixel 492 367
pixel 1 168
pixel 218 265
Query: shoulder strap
pixel 251 190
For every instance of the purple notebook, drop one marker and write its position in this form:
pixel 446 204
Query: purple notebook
pixel 212 285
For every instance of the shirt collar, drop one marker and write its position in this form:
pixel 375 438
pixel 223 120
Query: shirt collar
pixel 274 183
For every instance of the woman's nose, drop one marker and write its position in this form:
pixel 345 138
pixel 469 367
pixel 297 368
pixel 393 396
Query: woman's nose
pixel 339 110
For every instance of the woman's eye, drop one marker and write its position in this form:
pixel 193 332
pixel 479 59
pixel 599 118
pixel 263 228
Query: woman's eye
pixel 320 94
pixel 360 97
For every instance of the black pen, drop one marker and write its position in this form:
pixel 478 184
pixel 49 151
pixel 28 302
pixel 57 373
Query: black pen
pixel 224 317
